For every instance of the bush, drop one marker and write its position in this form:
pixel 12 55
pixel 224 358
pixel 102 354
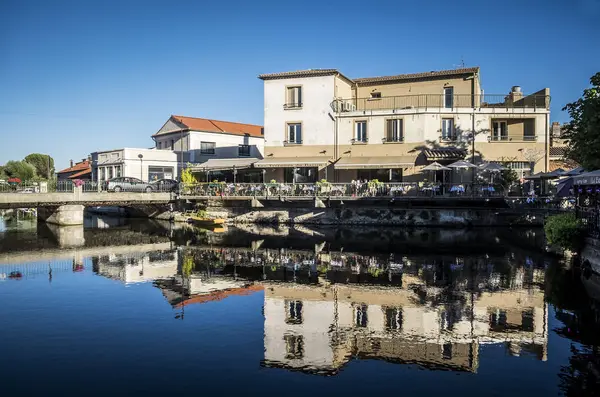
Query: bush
pixel 565 231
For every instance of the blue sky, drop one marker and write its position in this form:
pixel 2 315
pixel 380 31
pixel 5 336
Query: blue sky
pixel 80 76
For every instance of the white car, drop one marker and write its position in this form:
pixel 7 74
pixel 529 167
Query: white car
pixel 28 190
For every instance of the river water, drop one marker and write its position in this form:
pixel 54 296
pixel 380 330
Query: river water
pixel 155 309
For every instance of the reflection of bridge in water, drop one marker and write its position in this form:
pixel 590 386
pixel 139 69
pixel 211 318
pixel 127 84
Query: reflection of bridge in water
pixel 324 308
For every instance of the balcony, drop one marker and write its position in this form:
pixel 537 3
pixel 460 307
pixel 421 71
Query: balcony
pixel 393 139
pixel 507 138
pixel 440 101
pixel 448 138
pixel 290 106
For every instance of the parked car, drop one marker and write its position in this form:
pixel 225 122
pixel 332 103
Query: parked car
pixel 127 184
pixel 165 185
pixel 28 190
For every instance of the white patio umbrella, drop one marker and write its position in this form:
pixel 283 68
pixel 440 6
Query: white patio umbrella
pixel 461 165
pixel 435 166
pixel 491 168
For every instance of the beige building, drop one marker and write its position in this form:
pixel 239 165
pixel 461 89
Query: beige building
pixel 321 124
pixel 319 329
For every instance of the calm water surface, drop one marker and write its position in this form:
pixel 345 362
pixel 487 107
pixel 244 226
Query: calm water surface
pixel 144 309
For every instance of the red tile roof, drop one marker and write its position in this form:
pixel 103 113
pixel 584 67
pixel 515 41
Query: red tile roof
pixel 225 127
pixel 412 76
pixel 83 165
pixel 81 173
pixel 220 295
pixel 302 73
pixel 369 80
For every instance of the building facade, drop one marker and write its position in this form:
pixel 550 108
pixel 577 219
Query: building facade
pixel 145 164
pixel 320 124
pixel 80 170
pixel 212 145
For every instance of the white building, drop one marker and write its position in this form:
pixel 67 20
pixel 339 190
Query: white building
pixel 145 164
pixel 212 144
pixel 320 123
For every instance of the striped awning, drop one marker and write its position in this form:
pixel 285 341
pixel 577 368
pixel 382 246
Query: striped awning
pixel 445 154
pixel 364 162
pixel 288 162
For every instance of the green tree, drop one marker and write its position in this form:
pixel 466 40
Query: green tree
pixel 43 163
pixel 19 169
pixel 583 131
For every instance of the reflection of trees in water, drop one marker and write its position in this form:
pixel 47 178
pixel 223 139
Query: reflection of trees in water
pixel 568 291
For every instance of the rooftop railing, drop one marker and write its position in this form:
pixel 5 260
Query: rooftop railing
pixel 426 101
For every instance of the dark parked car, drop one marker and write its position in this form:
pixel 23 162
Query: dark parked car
pixel 165 185
pixel 127 184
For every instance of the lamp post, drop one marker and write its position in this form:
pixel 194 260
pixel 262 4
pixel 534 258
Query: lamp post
pixel 141 157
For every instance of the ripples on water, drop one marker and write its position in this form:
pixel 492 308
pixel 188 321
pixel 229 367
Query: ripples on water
pixel 158 309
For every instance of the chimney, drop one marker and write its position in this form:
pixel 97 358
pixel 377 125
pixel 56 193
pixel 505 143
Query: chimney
pixel 71 163
pixel 515 94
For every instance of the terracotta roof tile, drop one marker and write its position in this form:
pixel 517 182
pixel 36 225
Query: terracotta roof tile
pixel 299 73
pixel 81 173
pixel 412 76
pixel 226 127
pixel 83 165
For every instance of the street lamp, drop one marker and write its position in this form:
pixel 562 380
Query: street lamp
pixel 141 157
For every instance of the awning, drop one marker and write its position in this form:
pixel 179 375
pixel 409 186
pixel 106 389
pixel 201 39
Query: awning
pixel 445 154
pixel 364 162
pixel 589 178
pixel 225 164
pixel 286 162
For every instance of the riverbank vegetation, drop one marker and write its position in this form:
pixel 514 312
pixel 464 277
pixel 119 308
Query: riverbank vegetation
pixel 565 231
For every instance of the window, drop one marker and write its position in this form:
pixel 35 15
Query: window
pixel 382 175
pixel 172 144
pixel 361 316
pixel 156 173
pixel 294 131
pixel 294 347
pixel 447 129
pixel 375 95
pixel 293 314
pixel 447 351
pixel 522 168
pixel 393 318
pixel 395 130
pixel 527 320
pixel 159 144
pixel 529 130
pixel 244 150
pixel 102 173
pixel 110 173
pixel 449 97
pixel 499 131
pixel 207 147
pixel 360 128
pixel 118 171
pixel 293 97
pixel 300 175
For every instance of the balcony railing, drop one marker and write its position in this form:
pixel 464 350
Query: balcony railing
pixel 392 139
pixel 292 105
pixel 448 138
pixel 425 101
pixel 507 138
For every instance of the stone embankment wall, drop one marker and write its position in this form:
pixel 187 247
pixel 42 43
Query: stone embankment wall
pixel 365 214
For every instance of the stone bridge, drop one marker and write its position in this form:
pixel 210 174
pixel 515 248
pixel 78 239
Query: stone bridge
pixel 67 208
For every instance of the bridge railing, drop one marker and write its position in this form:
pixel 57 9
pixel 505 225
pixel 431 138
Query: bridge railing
pixel 347 190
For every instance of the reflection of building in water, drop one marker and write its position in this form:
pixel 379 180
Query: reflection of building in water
pixel 137 267
pixel 320 328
